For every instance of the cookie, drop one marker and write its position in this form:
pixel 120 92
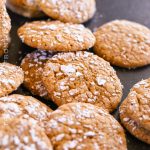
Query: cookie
pixel 56 36
pixel 26 8
pixel 82 77
pixel 15 106
pixel 123 43
pixel 11 77
pixel 20 134
pixel 5 27
pixel 138 102
pixel 132 126
pixel 134 111
pixel 84 126
pixel 74 11
pixel 33 65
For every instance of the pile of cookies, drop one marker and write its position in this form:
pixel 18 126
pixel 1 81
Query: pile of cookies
pixel 83 85
pixel 36 126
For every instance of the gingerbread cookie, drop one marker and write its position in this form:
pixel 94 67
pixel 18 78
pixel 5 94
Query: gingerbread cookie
pixel 84 126
pixel 5 27
pixel 11 77
pixel 75 11
pixel 123 43
pixel 56 36
pixel 21 134
pixel 134 111
pixel 15 106
pixel 33 65
pixel 82 77
pixel 26 8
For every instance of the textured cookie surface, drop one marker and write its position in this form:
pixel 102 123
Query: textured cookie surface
pixel 132 126
pixel 75 11
pixel 56 36
pixel 135 110
pixel 82 77
pixel 138 103
pixel 26 106
pixel 20 134
pixel 26 8
pixel 11 77
pixel 123 43
pixel 5 27
pixel 33 65
pixel 83 126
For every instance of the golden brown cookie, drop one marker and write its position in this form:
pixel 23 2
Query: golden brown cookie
pixel 5 27
pixel 84 126
pixel 82 77
pixel 137 131
pixel 56 36
pixel 138 102
pixel 123 43
pixel 33 65
pixel 75 11
pixel 15 106
pixel 21 134
pixel 26 8
pixel 135 111
pixel 11 77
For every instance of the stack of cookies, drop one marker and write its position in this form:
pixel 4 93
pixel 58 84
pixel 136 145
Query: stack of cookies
pixel 23 113
pixel 72 126
pixel 71 75
pixel 83 85
pixel 21 117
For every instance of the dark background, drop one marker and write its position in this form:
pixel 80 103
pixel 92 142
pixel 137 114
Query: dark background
pixel 107 10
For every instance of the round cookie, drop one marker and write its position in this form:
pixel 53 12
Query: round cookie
pixel 32 66
pixel 75 11
pixel 123 43
pixel 11 77
pixel 5 27
pixel 56 36
pixel 138 103
pixel 15 106
pixel 134 111
pixel 20 134
pixel 82 77
pixel 84 126
pixel 132 126
pixel 26 8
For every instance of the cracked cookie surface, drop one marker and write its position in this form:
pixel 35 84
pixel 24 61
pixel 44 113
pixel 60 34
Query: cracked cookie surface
pixel 11 77
pixel 56 36
pixel 84 126
pixel 82 77
pixel 123 43
pixel 32 66
pixel 15 105
pixel 75 11
pixel 134 111
pixel 26 8
pixel 133 127
pixel 23 134
pixel 5 27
